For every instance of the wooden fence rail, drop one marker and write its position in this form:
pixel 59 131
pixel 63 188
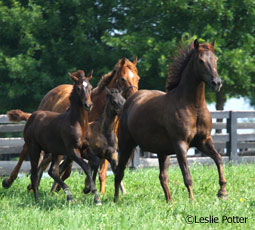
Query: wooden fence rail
pixel 232 144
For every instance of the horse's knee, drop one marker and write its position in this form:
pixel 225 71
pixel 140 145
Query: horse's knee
pixel 163 177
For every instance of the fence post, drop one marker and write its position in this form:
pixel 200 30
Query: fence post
pixel 232 130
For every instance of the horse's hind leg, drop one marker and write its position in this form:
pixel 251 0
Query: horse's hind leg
pixel 113 159
pixel 54 173
pixel 102 174
pixel 34 155
pixel 44 161
pixel 7 182
pixel 208 148
pixel 164 162
pixel 181 150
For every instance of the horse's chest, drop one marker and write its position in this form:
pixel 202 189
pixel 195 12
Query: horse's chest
pixel 77 136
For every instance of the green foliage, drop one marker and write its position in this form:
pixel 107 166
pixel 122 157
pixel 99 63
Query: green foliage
pixel 43 40
pixel 143 207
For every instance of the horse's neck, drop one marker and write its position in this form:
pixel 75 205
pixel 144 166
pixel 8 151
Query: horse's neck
pixel 99 100
pixel 108 119
pixel 190 90
pixel 77 113
pixel 112 83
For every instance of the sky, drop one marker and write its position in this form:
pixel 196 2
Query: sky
pixel 234 104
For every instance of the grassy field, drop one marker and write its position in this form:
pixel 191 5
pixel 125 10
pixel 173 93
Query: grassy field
pixel 143 207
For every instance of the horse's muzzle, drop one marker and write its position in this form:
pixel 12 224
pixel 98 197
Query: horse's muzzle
pixel 216 84
pixel 88 107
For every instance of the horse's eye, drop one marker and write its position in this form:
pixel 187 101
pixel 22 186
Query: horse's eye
pixel 201 61
pixel 123 79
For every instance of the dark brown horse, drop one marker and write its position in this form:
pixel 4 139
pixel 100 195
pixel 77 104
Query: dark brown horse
pixel 123 77
pixel 169 123
pixel 102 139
pixel 65 133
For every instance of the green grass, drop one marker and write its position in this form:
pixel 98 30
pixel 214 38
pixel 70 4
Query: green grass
pixel 143 207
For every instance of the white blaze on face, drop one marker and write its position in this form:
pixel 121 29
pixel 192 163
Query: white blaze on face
pixel 131 74
pixel 85 84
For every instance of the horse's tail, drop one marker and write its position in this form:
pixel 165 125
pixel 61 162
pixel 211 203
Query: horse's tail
pixel 18 115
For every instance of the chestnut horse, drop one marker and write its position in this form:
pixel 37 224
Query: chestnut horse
pixel 169 123
pixel 123 77
pixel 62 133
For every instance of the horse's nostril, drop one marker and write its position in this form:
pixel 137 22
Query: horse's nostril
pixel 213 83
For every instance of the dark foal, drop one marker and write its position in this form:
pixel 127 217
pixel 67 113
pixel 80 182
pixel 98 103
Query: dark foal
pixel 65 133
pixel 103 140
pixel 169 123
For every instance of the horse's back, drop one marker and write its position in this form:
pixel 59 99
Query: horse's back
pixel 41 125
pixel 142 98
pixel 57 99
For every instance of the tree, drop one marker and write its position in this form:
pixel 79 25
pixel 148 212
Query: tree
pixel 153 33
pixel 43 40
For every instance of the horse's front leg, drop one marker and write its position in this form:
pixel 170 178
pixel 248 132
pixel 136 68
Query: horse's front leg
pixel 207 147
pixel 181 150
pixel 112 157
pixel 54 173
pixel 94 162
pixel 65 169
pixel 75 155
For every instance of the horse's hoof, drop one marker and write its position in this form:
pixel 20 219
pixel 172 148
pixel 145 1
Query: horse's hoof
pixel 29 188
pixel 86 190
pixel 5 183
pixel 69 198
pixel 223 195
pixel 98 203
pixel 115 199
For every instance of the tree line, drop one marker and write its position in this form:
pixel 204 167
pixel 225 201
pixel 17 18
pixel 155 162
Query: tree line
pixel 42 40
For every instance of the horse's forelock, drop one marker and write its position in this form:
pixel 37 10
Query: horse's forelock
pixel 206 46
pixel 80 74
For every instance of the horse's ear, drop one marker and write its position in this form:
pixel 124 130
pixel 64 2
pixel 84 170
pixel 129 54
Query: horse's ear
pixel 123 60
pixel 135 61
pixel 73 78
pixel 196 44
pixel 89 76
pixel 213 43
